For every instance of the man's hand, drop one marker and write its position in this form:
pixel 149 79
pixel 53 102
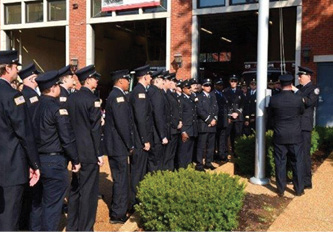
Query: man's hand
pixel 213 122
pixel 165 141
pixel 234 115
pixel 185 137
pixel 34 176
pixel 147 146
pixel 246 123
pixel 180 125
pixel 76 167
pixel 100 161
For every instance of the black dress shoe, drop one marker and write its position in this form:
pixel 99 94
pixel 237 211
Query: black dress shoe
pixel 209 166
pixel 299 194
pixel 100 196
pixel 281 194
pixel 118 220
pixel 199 168
pixel 131 210
pixel 308 186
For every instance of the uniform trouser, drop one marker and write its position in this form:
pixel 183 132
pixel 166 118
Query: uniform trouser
pixel 120 189
pixel 138 171
pixel 307 158
pixel 206 142
pixel 36 207
pixel 54 180
pixel 234 130
pixel 83 197
pixel 295 154
pixel 221 143
pixel 26 208
pixel 155 157
pixel 10 206
pixel 185 152
pixel 170 153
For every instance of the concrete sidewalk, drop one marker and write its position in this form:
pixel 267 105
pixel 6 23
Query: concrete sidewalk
pixel 314 210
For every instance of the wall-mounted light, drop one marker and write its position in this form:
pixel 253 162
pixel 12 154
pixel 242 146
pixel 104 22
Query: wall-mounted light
pixel 306 52
pixel 75 6
pixel 74 64
pixel 178 59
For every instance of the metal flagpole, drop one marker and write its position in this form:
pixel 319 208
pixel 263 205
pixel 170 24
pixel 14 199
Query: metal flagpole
pixel 263 24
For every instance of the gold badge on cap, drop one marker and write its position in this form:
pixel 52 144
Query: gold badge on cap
pixel 63 112
pixel 33 99
pixel 120 99
pixel 19 100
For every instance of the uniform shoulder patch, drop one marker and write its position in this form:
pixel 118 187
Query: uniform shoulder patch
pixel 120 99
pixel 97 104
pixel 63 99
pixel 19 100
pixel 63 112
pixel 33 99
pixel 316 91
pixel 142 95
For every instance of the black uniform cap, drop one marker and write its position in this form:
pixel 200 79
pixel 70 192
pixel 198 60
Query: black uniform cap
pixel 157 74
pixel 186 84
pixel 27 71
pixel 173 77
pixel 120 74
pixel 166 74
pixel 86 72
pixel 304 71
pixel 286 78
pixel 206 82
pixel 142 70
pixel 219 81
pixel 47 80
pixel 193 81
pixel 65 71
pixel 233 77
pixel 253 82
pixel 179 83
pixel 9 57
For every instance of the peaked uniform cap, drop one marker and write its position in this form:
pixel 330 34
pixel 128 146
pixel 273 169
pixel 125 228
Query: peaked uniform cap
pixel 120 74
pixel 27 71
pixel 65 71
pixel 47 80
pixel 143 70
pixel 87 72
pixel 304 71
pixel 9 57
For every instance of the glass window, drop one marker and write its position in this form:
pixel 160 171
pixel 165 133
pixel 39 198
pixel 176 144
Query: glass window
pixel 235 2
pixel 162 8
pixel 13 13
pixel 127 12
pixel 34 12
pixel 56 10
pixel 210 3
pixel 96 9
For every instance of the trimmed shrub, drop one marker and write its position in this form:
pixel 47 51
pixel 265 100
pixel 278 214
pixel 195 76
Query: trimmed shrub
pixel 188 200
pixel 325 137
pixel 245 149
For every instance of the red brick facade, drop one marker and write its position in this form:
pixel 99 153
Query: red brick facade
pixel 317 29
pixel 181 36
pixel 77 31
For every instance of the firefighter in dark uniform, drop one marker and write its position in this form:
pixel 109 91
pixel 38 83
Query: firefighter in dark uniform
pixel 207 111
pixel 68 83
pixel 310 94
pixel 28 75
pixel 235 110
pixel 250 109
pixel 222 122
pixel 155 157
pixel 55 140
pixel 143 122
pixel 175 123
pixel 189 130
pixel 85 114
pixel 119 142
pixel 285 111
pixel 18 148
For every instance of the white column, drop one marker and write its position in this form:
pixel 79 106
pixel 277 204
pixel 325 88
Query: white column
pixel 67 44
pixel 195 47
pixel 5 41
pixel 263 27
pixel 298 49
pixel 90 45
pixel 168 37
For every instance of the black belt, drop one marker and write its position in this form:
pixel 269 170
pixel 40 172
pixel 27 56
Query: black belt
pixel 52 153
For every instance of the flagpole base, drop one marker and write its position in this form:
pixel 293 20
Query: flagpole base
pixel 259 181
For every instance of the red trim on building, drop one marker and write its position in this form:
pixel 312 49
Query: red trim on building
pixel 131 6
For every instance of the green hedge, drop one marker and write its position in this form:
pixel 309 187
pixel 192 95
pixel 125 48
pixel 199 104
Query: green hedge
pixel 245 149
pixel 188 200
pixel 325 137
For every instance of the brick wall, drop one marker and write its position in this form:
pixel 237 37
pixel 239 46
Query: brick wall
pixel 317 29
pixel 77 31
pixel 181 36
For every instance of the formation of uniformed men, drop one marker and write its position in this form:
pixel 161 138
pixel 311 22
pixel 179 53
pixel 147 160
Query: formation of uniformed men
pixel 163 124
